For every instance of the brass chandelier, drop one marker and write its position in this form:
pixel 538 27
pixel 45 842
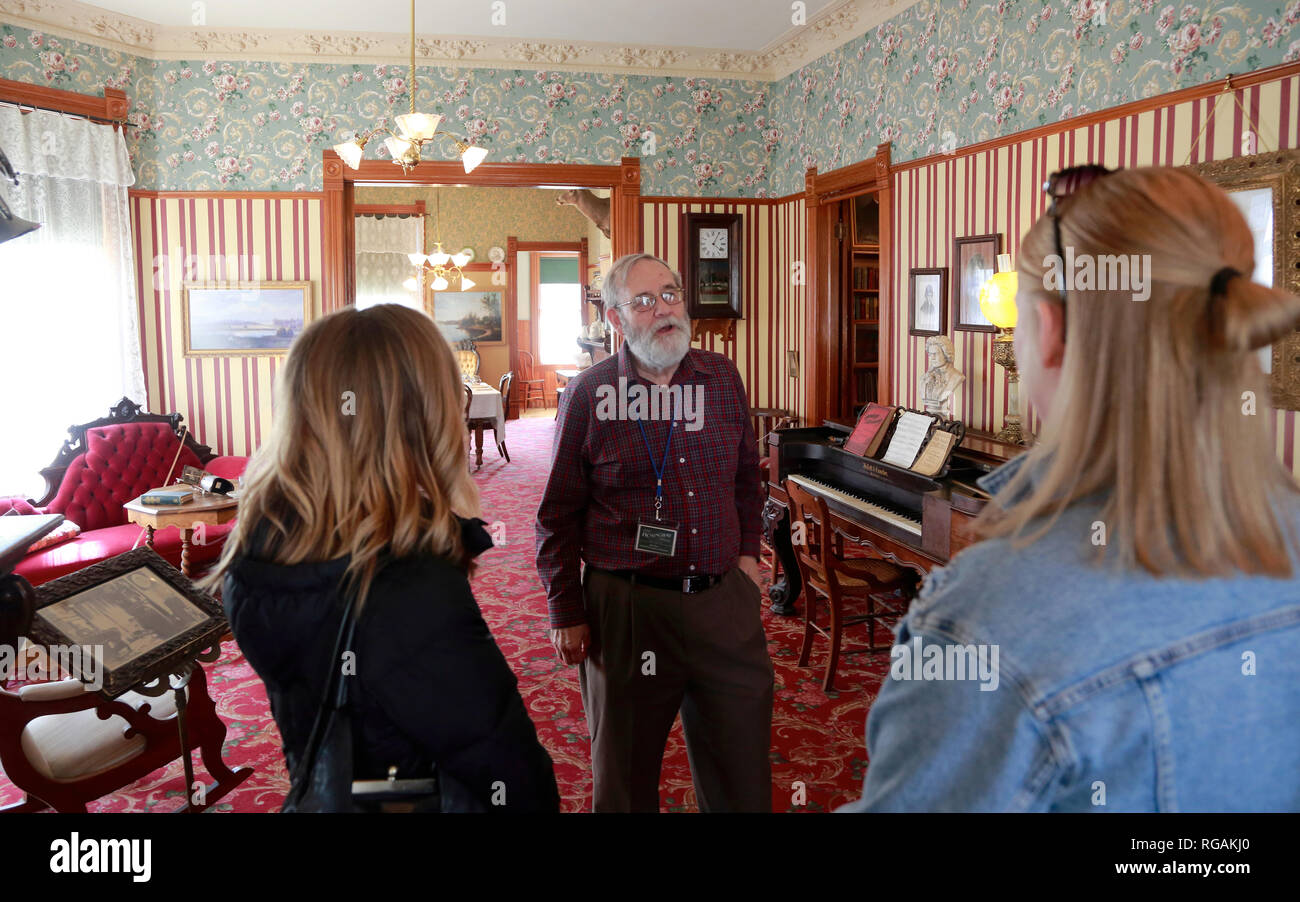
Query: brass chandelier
pixel 439 267
pixel 414 131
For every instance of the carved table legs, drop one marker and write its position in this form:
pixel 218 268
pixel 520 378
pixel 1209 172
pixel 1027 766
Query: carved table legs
pixel 776 528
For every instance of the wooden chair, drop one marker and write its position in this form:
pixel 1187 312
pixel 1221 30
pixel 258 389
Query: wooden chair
pixel 65 746
pixel 828 575
pixel 467 357
pixel 533 385
pixel 490 422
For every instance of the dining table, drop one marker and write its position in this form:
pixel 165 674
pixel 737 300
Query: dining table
pixel 487 407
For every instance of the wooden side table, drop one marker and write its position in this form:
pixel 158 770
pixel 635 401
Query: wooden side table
pixel 209 510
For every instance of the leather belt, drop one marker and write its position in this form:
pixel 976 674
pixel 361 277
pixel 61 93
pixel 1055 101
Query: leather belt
pixel 687 585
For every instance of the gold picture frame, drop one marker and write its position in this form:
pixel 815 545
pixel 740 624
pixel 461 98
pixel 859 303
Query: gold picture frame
pixel 243 319
pixel 459 313
pixel 1278 173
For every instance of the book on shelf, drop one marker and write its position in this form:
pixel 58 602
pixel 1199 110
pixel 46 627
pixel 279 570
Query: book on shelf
pixel 870 428
pixel 178 494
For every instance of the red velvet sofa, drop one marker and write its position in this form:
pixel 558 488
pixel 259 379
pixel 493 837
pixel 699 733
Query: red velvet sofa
pixel 105 464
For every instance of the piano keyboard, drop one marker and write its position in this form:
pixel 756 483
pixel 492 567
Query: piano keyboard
pixel 831 493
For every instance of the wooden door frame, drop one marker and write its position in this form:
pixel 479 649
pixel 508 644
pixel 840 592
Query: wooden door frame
pixel 338 238
pixel 822 195
pixel 537 248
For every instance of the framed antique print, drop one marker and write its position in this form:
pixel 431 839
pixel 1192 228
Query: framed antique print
pixel 471 313
pixel 928 300
pixel 244 319
pixel 711 264
pixel 136 614
pixel 974 260
pixel 866 221
pixel 1266 188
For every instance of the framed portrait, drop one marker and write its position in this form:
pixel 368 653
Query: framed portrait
pixel 974 260
pixel 929 300
pixel 135 613
pixel 711 270
pixel 244 319
pixel 473 313
pixel 1266 188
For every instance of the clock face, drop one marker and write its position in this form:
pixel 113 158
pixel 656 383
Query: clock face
pixel 713 244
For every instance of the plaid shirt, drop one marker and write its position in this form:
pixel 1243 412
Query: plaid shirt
pixel 602 482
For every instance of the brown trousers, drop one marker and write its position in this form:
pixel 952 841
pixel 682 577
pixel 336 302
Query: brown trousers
pixel 655 652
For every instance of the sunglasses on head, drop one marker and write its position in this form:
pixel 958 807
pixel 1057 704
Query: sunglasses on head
pixel 1062 184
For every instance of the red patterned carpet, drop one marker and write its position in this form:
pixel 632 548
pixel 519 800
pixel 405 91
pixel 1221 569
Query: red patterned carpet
pixel 817 738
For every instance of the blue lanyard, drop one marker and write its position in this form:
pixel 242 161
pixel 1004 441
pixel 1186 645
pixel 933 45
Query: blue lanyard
pixel 662 468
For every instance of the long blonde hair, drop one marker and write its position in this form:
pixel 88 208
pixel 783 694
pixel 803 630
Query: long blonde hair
pixel 367 450
pixel 1151 410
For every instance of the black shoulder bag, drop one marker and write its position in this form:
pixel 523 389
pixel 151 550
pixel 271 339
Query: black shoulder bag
pixel 322 781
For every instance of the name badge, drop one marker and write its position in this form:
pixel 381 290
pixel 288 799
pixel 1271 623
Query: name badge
pixel 656 538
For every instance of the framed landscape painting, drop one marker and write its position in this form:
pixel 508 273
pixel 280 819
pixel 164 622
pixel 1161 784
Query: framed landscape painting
pixel 468 316
pixel 243 318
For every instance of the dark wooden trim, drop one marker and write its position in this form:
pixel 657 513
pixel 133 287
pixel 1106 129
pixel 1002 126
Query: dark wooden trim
pixel 415 209
pixel 512 314
pixel 112 107
pixel 700 199
pixel 529 246
pixel 1182 95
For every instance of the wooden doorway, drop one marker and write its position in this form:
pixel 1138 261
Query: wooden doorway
pixel 338 240
pixel 850 351
pixel 530 330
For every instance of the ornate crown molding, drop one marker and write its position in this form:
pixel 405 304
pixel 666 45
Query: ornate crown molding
pixel 833 26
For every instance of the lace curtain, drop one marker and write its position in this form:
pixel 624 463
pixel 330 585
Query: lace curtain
pixel 382 264
pixel 68 311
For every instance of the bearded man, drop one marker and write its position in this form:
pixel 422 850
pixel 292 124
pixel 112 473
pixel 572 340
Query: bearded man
pixel 654 486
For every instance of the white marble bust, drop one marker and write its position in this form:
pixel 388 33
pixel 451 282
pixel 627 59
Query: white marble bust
pixel 941 378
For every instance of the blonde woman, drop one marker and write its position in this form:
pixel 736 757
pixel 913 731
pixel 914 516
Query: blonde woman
pixel 362 492
pixel 1128 634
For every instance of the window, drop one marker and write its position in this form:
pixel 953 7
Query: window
pixel 559 309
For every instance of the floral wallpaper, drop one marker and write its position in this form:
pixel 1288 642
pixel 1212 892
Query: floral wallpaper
pixel 948 73
pixel 942 74
pixel 483 217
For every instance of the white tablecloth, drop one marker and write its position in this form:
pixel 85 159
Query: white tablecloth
pixel 487 404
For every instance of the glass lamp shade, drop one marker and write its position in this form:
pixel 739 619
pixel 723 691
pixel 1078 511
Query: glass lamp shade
pixel 465 283
pixel 416 127
pixel 998 299
pixel 472 157
pixel 440 284
pixel 411 284
pixel 460 259
pixel 397 147
pixel 416 259
pixel 351 152
pixel 439 257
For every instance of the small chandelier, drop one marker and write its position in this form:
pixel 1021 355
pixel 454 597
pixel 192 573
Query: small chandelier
pixel 436 265
pixel 414 130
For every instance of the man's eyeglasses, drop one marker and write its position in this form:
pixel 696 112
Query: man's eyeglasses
pixel 1063 184
pixel 643 302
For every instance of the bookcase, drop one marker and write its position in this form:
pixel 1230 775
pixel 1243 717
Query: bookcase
pixel 861 340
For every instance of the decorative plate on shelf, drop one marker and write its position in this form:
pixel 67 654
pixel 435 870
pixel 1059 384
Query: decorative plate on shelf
pixel 496 253
pixel 468 251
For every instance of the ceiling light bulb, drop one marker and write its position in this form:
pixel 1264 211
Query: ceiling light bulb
pixel 418 126
pixel 350 151
pixel 472 157
pixel 440 284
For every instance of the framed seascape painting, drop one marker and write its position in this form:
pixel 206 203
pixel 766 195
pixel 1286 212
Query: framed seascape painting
pixel 929 301
pixel 468 316
pixel 974 260
pixel 243 318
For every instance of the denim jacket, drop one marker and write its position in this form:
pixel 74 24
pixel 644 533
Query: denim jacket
pixel 1113 690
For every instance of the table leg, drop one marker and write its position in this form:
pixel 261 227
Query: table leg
pixel 478 447
pixel 185 553
pixel 185 748
pixel 148 537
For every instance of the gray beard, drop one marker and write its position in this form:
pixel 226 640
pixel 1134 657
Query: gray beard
pixel 659 355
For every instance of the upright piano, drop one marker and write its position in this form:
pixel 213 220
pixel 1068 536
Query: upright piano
pixel 897 515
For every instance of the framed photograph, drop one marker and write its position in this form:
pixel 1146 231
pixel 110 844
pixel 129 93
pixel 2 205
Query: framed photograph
pixel 137 614
pixel 974 260
pixel 472 314
pixel 929 300
pixel 1266 189
pixel 711 268
pixel 244 319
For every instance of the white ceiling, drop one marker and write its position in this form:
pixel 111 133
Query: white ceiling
pixel 738 25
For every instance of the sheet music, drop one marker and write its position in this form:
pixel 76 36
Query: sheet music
pixel 908 436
